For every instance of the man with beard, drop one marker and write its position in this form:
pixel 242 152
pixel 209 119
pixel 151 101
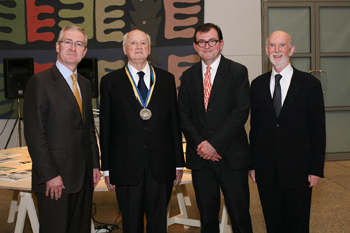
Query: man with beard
pixel 287 138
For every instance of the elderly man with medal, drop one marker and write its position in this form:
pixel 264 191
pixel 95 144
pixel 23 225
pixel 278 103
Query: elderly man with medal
pixel 141 143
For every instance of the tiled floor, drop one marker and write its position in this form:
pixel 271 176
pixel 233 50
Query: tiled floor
pixel 330 212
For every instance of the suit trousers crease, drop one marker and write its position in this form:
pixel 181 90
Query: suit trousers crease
pixel 148 197
pixel 285 210
pixel 69 214
pixel 234 186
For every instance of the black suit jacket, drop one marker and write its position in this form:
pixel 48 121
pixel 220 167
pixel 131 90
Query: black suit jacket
pixel 59 141
pixel 129 145
pixel 293 144
pixel 227 112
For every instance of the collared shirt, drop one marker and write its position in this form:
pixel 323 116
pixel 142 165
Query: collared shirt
pixel 67 73
pixel 214 68
pixel 135 76
pixel 287 74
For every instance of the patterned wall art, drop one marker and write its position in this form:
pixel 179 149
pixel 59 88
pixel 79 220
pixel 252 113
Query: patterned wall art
pixel 29 28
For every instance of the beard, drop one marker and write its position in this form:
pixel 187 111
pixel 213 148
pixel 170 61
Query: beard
pixel 283 62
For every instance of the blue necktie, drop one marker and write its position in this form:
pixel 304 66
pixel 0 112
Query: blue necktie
pixel 142 86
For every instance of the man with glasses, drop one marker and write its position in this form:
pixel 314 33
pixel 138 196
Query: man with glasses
pixel 214 107
pixel 59 131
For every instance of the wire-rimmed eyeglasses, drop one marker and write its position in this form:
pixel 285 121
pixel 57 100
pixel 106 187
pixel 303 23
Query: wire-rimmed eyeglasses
pixel 78 44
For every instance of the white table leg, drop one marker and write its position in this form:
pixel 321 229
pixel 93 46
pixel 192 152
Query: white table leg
pixel 13 207
pixel 92 227
pixel 224 227
pixel 26 204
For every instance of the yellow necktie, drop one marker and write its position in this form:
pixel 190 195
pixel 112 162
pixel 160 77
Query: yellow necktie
pixel 76 93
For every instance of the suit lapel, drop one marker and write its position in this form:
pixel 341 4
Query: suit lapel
pixel 219 78
pixel 266 92
pixel 199 87
pixel 156 91
pixel 64 89
pixel 84 94
pixel 293 91
pixel 128 91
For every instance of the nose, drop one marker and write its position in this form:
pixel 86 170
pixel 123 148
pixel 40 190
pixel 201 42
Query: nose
pixel 277 48
pixel 73 46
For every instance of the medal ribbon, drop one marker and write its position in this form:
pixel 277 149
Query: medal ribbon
pixel 136 90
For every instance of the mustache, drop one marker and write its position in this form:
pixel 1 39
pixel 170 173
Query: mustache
pixel 277 54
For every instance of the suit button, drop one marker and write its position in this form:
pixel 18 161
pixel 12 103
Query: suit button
pixel 144 146
pixel 146 128
pixel 277 125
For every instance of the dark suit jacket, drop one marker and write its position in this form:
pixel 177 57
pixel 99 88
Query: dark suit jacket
pixel 294 143
pixel 59 141
pixel 129 144
pixel 223 124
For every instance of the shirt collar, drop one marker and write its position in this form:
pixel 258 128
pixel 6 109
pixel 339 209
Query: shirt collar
pixel 214 65
pixel 134 71
pixel 66 73
pixel 285 72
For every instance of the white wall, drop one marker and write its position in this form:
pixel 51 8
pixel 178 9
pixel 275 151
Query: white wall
pixel 240 22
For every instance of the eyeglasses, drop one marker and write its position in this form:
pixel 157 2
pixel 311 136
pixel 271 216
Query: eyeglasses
pixel 203 43
pixel 78 44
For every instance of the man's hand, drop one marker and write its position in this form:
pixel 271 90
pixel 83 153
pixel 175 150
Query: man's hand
pixel 179 173
pixel 109 186
pixel 252 175
pixel 207 151
pixel 54 187
pixel 314 180
pixel 97 176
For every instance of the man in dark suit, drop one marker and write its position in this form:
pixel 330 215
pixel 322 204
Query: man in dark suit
pixel 141 144
pixel 287 138
pixel 59 131
pixel 212 120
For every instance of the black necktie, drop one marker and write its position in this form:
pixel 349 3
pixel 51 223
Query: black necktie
pixel 142 86
pixel 277 96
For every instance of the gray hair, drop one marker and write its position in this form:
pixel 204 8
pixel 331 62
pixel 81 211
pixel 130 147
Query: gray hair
pixel 72 27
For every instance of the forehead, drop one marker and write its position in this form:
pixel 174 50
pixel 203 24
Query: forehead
pixel 73 35
pixel 279 38
pixel 211 34
pixel 137 36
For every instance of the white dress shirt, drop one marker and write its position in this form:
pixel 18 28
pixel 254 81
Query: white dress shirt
pixel 287 74
pixel 67 73
pixel 214 68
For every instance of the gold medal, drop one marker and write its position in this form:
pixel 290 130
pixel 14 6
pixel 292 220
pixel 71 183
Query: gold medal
pixel 145 114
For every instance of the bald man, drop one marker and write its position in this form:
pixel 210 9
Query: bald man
pixel 141 144
pixel 287 138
